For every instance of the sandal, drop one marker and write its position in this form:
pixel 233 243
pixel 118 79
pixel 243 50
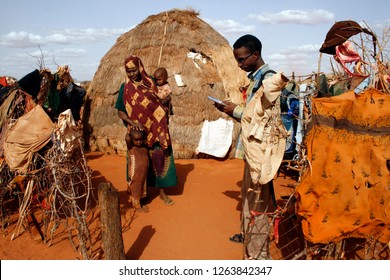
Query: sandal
pixel 238 238
pixel 142 209
pixel 168 201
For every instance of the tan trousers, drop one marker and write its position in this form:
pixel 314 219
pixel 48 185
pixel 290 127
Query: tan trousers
pixel 256 228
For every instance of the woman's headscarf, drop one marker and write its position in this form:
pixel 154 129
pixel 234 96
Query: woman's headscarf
pixel 143 105
pixel 134 61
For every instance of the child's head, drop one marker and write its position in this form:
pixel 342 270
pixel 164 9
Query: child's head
pixel 137 137
pixel 161 76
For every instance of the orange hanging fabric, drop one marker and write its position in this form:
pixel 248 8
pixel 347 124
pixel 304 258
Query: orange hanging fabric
pixel 346 193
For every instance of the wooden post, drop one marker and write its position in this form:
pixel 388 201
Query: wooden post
pixel 36 230
pixel 110 218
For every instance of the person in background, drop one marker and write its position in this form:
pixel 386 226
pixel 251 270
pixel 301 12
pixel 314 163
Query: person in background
pixel 140 108
pixel 137 167
pixel 256 198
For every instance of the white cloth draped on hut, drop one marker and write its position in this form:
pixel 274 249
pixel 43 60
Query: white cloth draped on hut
pixel 216 137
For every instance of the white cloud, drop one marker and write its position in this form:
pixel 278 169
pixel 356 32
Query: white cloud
pixel 230 27
pixel 58 39
pixel 21 39
pixel 301 60
pixel 69 52
pixel 47 56
pixel 379 27
pixel 75 35
pixel 295 16
pixel 297 52
pixel 21 63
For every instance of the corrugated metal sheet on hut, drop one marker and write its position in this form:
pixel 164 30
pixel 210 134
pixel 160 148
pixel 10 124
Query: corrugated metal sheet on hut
pixel 166 40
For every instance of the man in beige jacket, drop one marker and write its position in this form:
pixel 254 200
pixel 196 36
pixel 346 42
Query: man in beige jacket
pixel 261 144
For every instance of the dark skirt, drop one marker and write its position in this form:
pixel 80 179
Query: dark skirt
pixel 162 169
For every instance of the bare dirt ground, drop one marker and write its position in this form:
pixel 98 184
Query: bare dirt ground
pixel 197 227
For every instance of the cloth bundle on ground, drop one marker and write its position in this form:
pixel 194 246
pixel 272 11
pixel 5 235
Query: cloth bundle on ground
pixel 346 192
pixel 263 133
pixel 28 135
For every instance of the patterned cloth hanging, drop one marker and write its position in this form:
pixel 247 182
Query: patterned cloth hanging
pixel 346 193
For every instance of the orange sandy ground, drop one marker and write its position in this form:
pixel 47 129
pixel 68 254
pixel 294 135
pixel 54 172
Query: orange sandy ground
pixel 197 227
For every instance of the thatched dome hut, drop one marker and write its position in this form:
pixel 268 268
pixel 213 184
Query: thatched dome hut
pixel 190 49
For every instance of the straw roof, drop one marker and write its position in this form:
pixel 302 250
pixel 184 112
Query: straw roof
pixel 187 46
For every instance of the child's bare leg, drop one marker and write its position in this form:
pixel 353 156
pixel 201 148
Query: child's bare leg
pixel 136 201
pixel 138 207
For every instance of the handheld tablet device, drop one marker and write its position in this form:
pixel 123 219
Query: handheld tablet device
pixel 216 100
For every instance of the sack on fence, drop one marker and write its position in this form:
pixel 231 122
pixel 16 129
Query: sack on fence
pixel 30 133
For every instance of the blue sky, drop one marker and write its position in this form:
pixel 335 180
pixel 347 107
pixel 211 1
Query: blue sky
pixel 79 33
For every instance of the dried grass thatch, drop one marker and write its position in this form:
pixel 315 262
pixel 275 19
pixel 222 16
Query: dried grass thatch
pixel 165 40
